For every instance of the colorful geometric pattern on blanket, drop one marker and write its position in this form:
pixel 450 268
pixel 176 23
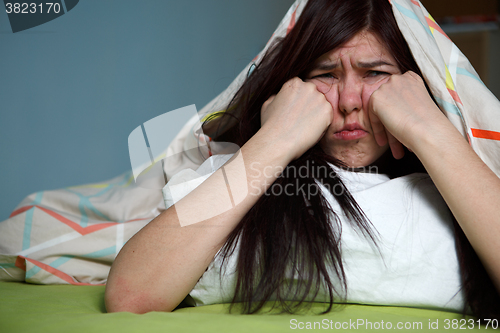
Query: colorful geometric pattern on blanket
pixel 72 235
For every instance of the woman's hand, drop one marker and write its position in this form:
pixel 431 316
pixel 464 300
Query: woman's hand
pixel 403 108
pixel 299 115
pixel 402 112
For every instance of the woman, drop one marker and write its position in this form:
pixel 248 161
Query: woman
pixel 341 90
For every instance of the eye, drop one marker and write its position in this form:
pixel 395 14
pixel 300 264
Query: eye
pixel 324 76
pixel 376 73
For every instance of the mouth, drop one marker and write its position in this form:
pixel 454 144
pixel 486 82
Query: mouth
pixel 351 131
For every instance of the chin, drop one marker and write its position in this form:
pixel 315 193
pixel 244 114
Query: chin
pixel 357 156
pixel 357 164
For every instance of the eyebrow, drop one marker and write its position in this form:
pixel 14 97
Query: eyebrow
pixel 328 66
pixel 373 64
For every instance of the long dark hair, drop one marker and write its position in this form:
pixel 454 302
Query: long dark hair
pixel 290 233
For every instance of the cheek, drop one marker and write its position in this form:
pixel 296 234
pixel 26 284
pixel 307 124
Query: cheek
pixel 332 96
pixel 324 86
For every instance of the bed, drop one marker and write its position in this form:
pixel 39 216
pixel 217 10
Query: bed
pixel 27 307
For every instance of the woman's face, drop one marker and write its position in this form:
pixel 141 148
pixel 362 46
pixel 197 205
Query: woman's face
pixel 347 76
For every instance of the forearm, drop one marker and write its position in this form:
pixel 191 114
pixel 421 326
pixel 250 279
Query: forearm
pixel 161 264
pixel 471 190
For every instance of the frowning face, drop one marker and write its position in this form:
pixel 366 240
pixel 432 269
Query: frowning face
pixel 347 76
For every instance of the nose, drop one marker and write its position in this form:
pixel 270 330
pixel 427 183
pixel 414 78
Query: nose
pixel 350 96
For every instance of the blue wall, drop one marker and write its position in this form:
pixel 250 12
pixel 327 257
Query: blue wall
pixel 72 89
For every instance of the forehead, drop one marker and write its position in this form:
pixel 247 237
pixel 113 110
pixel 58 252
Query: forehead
pixel 363 46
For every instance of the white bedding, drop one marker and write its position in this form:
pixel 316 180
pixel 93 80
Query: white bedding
pixel 415 263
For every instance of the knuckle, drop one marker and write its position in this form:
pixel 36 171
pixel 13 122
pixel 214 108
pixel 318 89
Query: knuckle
pixel 294 81
pixel 288 84
pixel 310 85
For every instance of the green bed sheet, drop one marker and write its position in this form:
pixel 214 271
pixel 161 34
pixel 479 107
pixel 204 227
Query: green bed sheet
pixel 65 308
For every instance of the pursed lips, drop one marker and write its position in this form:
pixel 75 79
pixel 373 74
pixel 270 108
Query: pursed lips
pixel 351 131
